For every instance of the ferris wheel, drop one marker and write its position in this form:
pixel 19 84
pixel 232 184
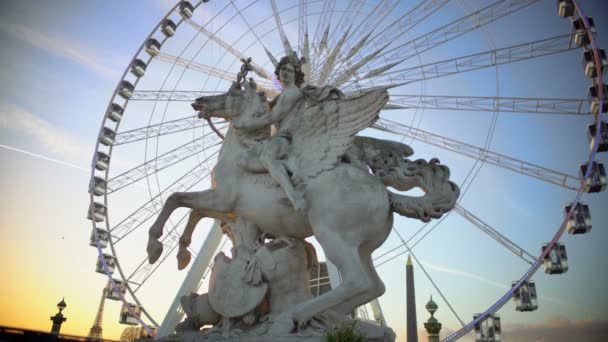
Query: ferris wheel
pixel 441 63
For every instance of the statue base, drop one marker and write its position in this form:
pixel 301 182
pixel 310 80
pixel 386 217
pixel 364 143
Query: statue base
pixel 370 331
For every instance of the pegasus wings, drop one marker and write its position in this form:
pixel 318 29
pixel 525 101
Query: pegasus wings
pixel 328 129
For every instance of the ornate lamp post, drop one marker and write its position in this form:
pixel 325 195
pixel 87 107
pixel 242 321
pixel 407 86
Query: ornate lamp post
pixel 58 319
pixel 432 326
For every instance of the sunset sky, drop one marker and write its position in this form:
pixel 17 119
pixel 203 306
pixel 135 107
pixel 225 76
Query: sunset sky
pixel 61 61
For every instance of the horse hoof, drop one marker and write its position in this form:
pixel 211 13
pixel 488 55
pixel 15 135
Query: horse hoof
pixel 155 249
pixel 183 259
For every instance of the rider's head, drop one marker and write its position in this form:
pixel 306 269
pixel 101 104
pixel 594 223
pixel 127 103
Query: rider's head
pixel 297 68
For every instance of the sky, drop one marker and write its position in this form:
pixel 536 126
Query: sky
pixel 63 59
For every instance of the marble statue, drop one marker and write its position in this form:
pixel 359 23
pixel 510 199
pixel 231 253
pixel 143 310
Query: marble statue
pixel 313 177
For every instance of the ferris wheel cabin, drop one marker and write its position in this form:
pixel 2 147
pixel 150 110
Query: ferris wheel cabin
pixel 488 330
pixel 126 89
pixel 556 261
pixel 107 136
pixel 112 294
pixel 186 9
pixel 581 38
pixel 525 296
pixel 126 317
pixel 602 145
pixel 168 27
pixel 152 47
pixel 580 221
pixel 589 63
pixel 98 186
pixel 138 68
pixel 594 98
pixel 565 8
pixel 110 261
pixel 597 178
pixel 115 112
pixel 102 162
pixel 103 235
pixel 99 212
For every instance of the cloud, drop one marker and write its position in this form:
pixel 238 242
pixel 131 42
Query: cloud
pixel 54 139
pixel 465 274
pixel 67 50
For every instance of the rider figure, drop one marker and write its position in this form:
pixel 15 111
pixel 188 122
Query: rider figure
pixel 284 114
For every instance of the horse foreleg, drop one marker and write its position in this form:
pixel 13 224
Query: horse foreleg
pixel 205 201
pixel 183 254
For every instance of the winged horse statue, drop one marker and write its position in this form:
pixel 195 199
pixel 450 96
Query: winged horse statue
pixel 342 178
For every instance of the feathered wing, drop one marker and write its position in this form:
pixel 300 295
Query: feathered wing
pixel 328 129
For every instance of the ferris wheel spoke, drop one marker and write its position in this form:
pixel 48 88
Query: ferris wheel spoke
pixel 240 13
pixel 305 44
pixel 352 71
pixel 511 54
pixel 149 209
pixel 351 13
pixel 230 48
pixel 320 39
pixel 454 29
pixel 208 70
pixel 286 45
pixel 166 160
pixel 525 168
pixel 331 59
pixel 398 28
pixel 493 104
pixel 170 95
pixel 495 234
pixel 156 130
pixel 302 23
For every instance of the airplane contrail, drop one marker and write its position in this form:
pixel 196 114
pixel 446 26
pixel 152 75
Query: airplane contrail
pixel 46 158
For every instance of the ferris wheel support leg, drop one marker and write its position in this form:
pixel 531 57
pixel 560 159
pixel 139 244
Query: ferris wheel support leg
pixel 192 280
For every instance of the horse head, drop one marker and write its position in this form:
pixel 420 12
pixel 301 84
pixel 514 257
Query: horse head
pixel 239 100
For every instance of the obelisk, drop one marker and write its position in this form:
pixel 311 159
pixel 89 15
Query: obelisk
pixel 412 326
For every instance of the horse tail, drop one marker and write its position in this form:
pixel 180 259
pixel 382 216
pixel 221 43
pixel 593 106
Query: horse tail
pixel 440 193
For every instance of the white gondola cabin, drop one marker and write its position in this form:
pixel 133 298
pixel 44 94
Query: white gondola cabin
pixel 115 112
pixel 488 330
pixel 597 178
pixel 602 145
pixel 114 294
pixel 594 98
pixel 99 212
pixel 186 9
pixel 125 89
pixel 98 186
pixel 589 62
pixel 525 297
pixel 107 136
pixel 102 162
pixel 168 27
pixel 104 238
pixel 110 262
pixel 580 220
pixel 556 261
pixel 138 68
pixel 565 8
pixel 126 317
pixel 152 47
pixel 581 38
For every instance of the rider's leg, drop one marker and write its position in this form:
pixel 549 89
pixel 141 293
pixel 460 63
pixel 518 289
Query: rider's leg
pixel 273 150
